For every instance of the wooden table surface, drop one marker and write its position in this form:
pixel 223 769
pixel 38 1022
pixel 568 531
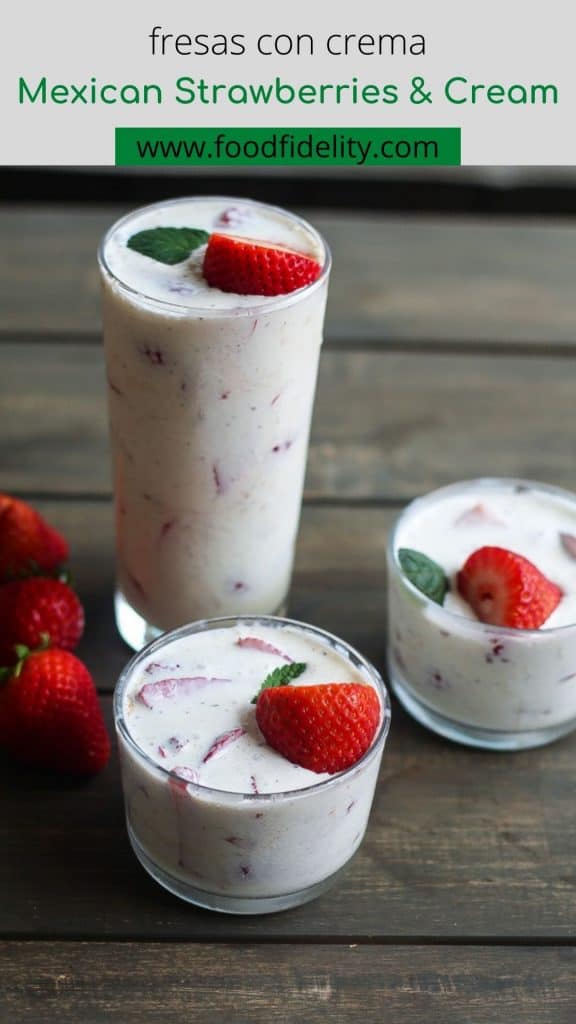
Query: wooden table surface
pixel 449 353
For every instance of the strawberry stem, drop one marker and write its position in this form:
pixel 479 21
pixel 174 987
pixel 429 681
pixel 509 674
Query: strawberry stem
pixel 23 652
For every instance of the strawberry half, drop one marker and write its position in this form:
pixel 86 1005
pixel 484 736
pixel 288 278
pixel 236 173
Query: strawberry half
pixel 506 589
pixel 27 542
pixel 250 267
pixel 325 728
pixel 35 608
pixel 50 715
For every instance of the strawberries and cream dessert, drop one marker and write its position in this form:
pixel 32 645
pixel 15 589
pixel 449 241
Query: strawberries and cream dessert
pixel 213 316
pixel 482 612
pixel 250 750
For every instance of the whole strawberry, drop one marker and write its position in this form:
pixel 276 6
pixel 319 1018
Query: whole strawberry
pixel 27 542
pixel 325 728
pixel 37 609
pixel 50 715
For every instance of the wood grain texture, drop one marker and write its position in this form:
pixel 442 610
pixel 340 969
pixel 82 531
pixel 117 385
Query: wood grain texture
pixel 386 425
pixel 394 277
pixel 460 845
pixel 131 983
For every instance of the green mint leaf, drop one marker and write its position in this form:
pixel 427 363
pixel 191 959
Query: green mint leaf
pixel 427 576
pixel 168 245
pixel 281 676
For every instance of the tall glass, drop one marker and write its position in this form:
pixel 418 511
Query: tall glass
pixel 209 412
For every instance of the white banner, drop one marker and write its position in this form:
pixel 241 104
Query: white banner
pixel 502 72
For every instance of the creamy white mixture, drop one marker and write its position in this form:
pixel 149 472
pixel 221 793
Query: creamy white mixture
pixel 200 689
pixel 476 674
pixel 187 706
pixel 210 405
pixel 529 522
pixel 183 283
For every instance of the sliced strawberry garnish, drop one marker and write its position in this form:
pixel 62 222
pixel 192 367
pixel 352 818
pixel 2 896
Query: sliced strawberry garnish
pixel 152 694
pixel 506 589
pixel 250 267
pixel 254 643
pixel 325 728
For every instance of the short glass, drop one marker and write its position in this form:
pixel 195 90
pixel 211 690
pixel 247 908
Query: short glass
pixel 209 412
pixel 298 841
pixel 482 685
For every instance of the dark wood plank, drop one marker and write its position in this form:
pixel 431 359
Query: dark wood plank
pixel 386 426
pixel 394 277
pixel 460 846
pixel 222 984
pixel 533 192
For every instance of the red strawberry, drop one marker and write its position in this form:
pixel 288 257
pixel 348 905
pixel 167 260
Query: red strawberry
pixel 50 715
pixel 324 728
pixel 36 607
pixel 505 589
pixel 26 540
pixel 250 267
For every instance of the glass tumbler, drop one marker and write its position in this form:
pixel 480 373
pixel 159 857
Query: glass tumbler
pixel 244 853
pixel 209 414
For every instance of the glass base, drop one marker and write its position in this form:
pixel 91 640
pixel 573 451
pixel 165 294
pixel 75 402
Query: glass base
pixel 228 904
pixel 133 628
pixel 472 736
pixel 137 632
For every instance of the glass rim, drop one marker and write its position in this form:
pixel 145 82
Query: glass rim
pixel 228 621
pixel 182 309
pixel 474 625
